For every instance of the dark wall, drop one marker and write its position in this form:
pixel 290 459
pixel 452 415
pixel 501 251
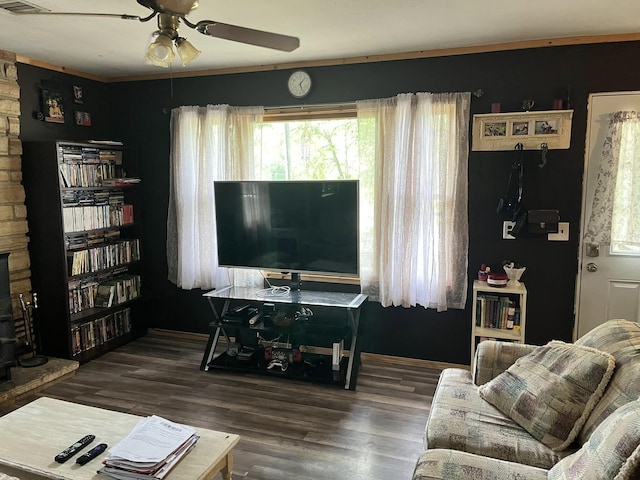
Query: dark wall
pixel 141 120
pixel 97 100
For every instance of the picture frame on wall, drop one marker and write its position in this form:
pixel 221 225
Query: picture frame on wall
pixel 78 94
pixel 52 106
pixel 502 131
pixel 83 118
pixel 495 129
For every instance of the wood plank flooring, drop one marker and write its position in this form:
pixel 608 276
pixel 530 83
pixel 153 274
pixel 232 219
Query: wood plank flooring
pixel 290 429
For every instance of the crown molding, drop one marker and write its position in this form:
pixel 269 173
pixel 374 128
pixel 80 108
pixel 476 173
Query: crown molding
pixel 56 68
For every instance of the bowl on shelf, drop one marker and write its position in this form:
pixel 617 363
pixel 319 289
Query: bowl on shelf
pixel 495 279
pixel 514 274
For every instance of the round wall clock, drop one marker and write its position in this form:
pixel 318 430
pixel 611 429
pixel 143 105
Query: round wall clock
pixel 299 83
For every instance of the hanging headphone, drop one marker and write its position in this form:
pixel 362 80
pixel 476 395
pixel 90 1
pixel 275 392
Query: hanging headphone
pixel 509 204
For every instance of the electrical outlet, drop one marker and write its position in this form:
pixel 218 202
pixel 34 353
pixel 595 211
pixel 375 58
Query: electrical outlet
pixel 563 233
pixel 506 230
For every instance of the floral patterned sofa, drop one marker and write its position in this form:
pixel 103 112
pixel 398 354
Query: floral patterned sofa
pixel 558 412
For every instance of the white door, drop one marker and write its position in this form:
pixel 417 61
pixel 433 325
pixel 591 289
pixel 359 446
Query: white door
pixel 608 283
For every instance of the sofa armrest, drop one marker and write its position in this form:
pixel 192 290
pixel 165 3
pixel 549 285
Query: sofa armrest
pixel 444 464
pixel 494 357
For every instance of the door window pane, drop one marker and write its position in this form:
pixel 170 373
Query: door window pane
pixel 625 222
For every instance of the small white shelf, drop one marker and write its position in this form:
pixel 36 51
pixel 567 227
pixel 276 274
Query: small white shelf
pixel 499 333
pixel 502 131
pixel 517 334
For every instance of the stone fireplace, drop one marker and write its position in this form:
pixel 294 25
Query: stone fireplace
pixel 13 212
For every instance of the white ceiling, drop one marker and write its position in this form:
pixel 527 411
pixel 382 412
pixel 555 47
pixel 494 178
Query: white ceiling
pixel 328 29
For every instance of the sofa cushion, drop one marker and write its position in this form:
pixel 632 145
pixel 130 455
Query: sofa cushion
pixel 460 420
pixel 441 464
pixel 551 391
pixel 620 338
pixel 494 357
pixel 612 452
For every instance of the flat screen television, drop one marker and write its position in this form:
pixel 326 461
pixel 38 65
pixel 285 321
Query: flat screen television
pixel 288 226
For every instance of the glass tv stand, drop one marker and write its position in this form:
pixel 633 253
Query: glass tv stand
pixel 351 303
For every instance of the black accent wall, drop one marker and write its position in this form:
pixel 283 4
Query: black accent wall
pixel 138 113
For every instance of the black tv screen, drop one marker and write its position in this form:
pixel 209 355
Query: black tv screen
pixel 288 226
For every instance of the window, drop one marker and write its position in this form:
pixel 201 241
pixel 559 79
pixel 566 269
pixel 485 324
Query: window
pixel 409 152
pixel 321 149
pixel 615 219
pixel 625 222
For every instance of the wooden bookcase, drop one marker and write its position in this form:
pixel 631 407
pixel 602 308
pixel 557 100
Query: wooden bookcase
pixel 488 324
pixel 84 233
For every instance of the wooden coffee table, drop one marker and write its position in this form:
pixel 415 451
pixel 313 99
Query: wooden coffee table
pixel 32 435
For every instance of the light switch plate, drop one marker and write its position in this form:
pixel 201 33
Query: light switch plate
pixel 506 230
pixel 563 233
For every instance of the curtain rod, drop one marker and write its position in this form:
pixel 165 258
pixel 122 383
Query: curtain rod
pixel 312 105
pixel 478 93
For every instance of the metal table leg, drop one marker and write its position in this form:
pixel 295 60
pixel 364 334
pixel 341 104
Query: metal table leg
pixel 354 354
pixel 214 336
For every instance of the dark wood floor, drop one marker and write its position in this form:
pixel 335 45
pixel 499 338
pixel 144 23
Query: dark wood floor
pixel 289 429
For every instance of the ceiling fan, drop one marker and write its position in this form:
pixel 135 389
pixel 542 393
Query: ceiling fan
pixel 170 13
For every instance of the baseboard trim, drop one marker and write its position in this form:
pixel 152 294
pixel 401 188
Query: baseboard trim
pixel 162 332
pixel 412 362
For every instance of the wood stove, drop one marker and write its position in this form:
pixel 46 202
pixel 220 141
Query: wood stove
pixel 7 326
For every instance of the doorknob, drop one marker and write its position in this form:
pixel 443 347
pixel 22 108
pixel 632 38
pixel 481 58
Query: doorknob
pixel 592 267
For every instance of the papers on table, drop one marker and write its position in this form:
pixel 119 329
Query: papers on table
pixel 150 451
pixel 106 142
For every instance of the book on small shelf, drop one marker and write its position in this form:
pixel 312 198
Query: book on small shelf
pixel 493 311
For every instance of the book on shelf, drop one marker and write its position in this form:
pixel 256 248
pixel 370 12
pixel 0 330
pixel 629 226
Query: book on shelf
pixel 127 214
pixel 500 312
pixel 64 179
pixel 120 181
pixel 81 294
pixel 88 335
pixel 118 289
pixel 511 311
pixel 105 295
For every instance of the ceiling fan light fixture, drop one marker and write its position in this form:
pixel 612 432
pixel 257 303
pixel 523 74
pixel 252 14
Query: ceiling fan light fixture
pixel 160 51
pixel 186 51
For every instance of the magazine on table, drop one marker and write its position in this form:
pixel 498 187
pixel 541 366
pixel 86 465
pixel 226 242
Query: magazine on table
pixel 150 450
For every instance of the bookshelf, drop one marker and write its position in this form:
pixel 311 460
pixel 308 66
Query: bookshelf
pixel 498 313
pixel 84 240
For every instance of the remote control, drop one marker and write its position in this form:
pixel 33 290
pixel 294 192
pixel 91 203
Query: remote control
pixel 75 448
pixel 91 454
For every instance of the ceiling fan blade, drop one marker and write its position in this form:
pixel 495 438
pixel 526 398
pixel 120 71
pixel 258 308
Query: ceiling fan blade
pixel 260 38
pixel 175 7
pixel 123 16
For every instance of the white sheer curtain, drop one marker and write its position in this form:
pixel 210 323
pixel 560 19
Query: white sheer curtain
pixel 615 212
pixel 210 143
pixel 420 251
